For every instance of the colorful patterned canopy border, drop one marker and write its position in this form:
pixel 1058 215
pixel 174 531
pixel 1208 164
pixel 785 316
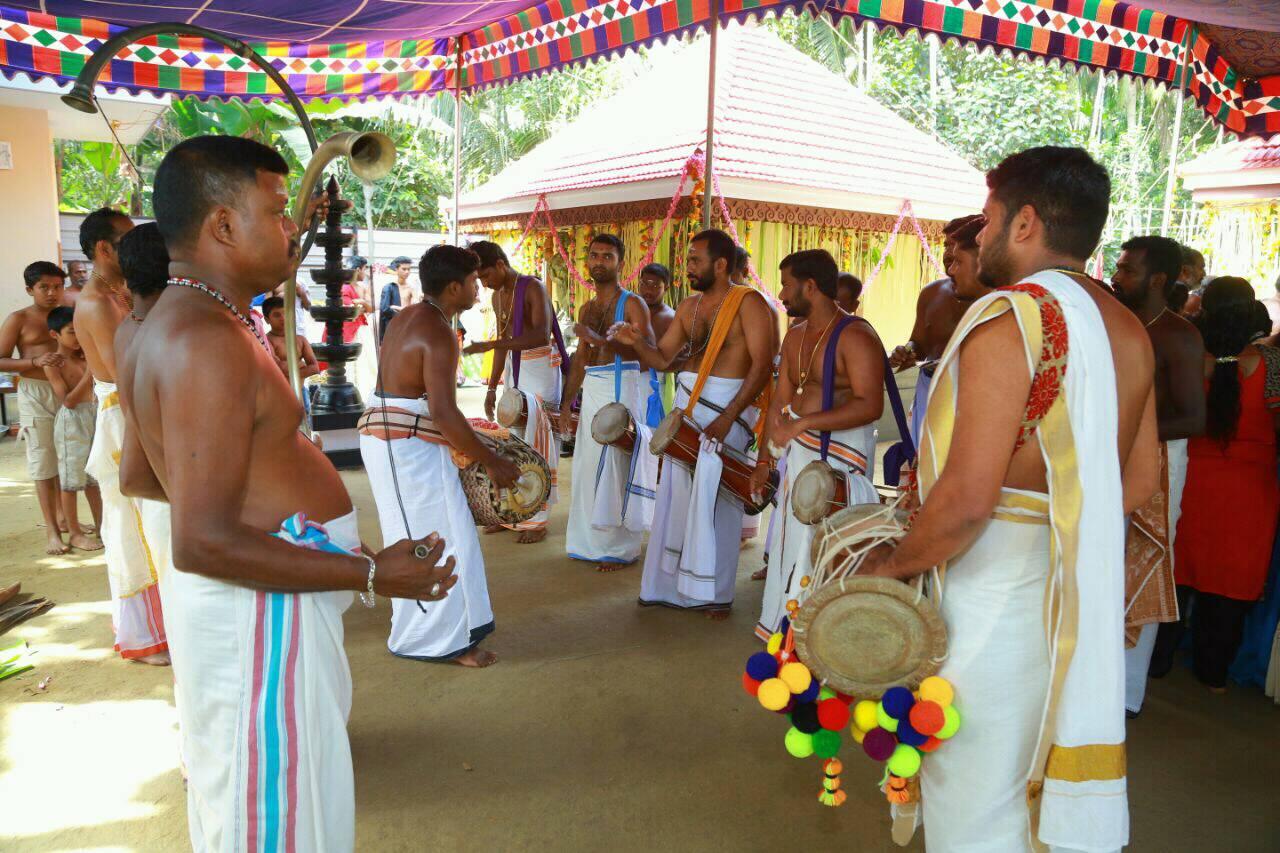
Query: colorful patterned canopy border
pixel 1094 34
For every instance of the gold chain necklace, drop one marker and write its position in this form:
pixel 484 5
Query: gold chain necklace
pixel 1152 322
pixel 804 372
pixel 120 295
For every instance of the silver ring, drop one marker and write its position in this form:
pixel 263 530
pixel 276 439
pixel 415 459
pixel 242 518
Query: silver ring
pixel 435 589
pixel 421 551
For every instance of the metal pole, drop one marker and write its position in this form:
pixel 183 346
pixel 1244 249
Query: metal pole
pixel 457 140
pixel 1179 97
pixel 714 24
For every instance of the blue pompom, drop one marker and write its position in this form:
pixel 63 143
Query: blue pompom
pixel 784 625
pixel 897 702
pixel 908 735
pixel 762 666
pixel 811 692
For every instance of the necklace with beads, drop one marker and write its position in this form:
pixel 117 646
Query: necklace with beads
pixel 690 350
pixel 804 371
pixel 204 288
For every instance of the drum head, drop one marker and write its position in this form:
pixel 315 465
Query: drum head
pixel 526 498
pixel 849 522
pixel 510 407
pixel 812 492
pixel 865 635
pixel 610 423
pixel 665 431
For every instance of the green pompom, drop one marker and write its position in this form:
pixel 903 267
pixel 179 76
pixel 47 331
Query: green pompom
pixel 798 743
pixel 952 724
pixel 904 762
pixel 826 693
pixel 826 743
pixel 883 720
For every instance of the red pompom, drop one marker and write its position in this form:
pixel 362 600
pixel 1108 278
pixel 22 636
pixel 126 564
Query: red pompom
pixel 929 745
pixel 750 685
pixel 927 717
pixel 833 714
pixel 844 697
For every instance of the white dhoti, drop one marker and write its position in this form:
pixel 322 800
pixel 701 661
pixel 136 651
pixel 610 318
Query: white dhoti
pixel 600 543
pixel 852 454
pixel 692 560
pixel 1034 608
pixel 265 694
pixel 1137 660
pixel 365 372
pixel 432 497
pixel 132 568
pixel 540 379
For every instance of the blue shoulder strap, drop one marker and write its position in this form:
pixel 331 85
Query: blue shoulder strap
pixel 829 378
pixel 619 313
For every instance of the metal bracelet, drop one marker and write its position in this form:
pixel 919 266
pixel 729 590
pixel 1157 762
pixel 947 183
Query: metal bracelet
pixel 368 598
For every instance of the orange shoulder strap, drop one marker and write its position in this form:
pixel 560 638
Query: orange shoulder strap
pixel 719 332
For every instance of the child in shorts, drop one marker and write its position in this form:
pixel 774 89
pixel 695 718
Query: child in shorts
pixel 73 427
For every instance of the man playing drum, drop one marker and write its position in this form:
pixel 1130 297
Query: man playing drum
pixel 1035 447
pixel 407 436
pixel 607 373
pixel 529 357
pixel 692 559
pixel 830 394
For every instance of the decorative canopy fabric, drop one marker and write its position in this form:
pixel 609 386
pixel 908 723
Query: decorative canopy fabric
pixel 375 48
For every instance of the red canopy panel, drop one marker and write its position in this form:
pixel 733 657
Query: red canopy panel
pixel 374 48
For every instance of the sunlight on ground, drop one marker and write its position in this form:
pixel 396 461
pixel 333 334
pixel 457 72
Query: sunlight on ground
pixel 76 766
pixel 42 634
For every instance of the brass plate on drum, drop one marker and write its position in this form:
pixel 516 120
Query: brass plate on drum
pixel 864 635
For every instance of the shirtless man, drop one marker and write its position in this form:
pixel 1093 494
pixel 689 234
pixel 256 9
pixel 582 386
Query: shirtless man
pixel 27 331
pixel 607 373
pixel 938 310
pixel 78 273
pixel 1017 544
pixel 1192 276
pixel 1148 267
pixel 252 611
pixel 798 418
pixel 848 292
pixel 679 570
pixel 654 281
pixel 527 357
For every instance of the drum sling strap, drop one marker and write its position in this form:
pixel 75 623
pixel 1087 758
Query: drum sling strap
pixel 517 329
pixel 390 423
pixel 719 332
pixel 905 450
pixel 829 380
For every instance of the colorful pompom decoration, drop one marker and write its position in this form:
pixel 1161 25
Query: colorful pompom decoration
pixel 773 694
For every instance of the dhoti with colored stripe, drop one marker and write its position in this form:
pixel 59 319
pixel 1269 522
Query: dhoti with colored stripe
pixel 852 455
pixel 692 559
pixel 132 561
pixel 265 691
pixel 540 378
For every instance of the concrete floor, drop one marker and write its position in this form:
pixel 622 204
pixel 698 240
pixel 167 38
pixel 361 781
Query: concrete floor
pixel 604 726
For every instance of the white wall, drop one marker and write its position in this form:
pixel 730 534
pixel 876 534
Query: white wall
pixel 29 215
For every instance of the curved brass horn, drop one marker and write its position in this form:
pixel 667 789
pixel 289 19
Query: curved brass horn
pixel 372 157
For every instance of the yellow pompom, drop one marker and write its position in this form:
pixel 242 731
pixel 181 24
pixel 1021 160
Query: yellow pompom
pixel 773 694
pixel 774 644
pixel 797 677
pixel 864 715
pixel 858 734
pixel 937 689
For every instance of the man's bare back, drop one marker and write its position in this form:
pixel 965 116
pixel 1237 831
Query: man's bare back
pixel 938 312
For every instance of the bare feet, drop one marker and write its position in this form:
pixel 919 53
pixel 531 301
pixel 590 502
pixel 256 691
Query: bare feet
pixel 493 528
pixel 158 659
pixel 758 574
pixel 84 543
pixel 7 593
pixel 719 614
pixel 54 545
pixel 611 567
pixel 529 537
pixel 477 658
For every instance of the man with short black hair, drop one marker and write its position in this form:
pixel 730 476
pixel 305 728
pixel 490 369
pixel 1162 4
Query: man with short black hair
pixel 726 334
pixel 528 357
pixel 27 331
pixel 407 437
pixel 1035 446
pixel 802 423
pixel 848 292
pixel 266 551
pixel 655 280
pixel 1146 271
pixel 606 373
pixel 396 294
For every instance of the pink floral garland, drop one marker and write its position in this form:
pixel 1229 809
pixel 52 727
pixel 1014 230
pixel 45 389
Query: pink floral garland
pixel 903 212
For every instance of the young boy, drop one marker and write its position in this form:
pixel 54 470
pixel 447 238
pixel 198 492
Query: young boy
pixel 273 310
pixel 73 427
pixel 27 331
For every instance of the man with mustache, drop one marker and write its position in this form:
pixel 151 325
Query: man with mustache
pixel 830 394
pixel 78 273
pixel 1035 446
pixel 606 372
pixel 725 333
pixel 265 547
pixel 1146 271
